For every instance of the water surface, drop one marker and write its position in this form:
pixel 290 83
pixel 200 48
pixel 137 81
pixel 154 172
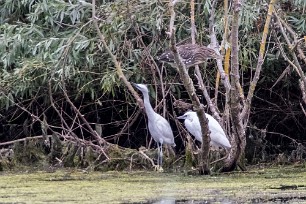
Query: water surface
pixel 268 185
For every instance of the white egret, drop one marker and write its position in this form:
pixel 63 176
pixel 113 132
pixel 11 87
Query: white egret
pixel 217 135
pixel 159 127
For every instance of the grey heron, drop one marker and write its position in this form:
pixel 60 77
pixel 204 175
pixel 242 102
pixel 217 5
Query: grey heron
pixel 191 54
pixel 159 127
pixel 217 134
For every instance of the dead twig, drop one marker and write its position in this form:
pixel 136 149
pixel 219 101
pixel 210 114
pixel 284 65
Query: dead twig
pixel 24 139
pixel 147 157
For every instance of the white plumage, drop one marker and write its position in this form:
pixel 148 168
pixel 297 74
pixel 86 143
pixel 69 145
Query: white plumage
pixel 217 135
pixel 159 127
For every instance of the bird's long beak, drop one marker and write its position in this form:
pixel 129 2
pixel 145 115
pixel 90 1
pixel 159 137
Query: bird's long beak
pixel 181 117
pixel 134 84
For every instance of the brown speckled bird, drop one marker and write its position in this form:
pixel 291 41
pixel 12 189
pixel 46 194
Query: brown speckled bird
pixel 191 54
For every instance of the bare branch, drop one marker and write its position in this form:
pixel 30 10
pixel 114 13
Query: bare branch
pixel 246 109
pixel 24 139
pixel 188 84
pixel 296 63
pixel 303 109
pixel 214 45
pixel 286 71
pixel 302 87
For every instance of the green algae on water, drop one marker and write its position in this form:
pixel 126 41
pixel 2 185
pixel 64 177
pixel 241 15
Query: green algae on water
pixel 77 186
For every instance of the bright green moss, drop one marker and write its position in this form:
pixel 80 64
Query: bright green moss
pixel 75 186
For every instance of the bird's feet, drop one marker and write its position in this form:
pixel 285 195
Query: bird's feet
pixel 158 168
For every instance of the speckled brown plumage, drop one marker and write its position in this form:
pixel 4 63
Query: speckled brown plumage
pixel 191 54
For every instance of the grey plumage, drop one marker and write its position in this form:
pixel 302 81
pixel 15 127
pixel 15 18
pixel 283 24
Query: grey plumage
pixel 159 127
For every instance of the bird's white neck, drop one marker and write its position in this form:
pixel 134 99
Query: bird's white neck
pixel 148 108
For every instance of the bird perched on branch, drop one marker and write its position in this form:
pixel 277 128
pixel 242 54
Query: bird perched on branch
pixel 217 135
pixel 191 54
pixel 159 127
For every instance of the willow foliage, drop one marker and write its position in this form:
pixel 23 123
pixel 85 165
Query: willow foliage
pixel 54 42
pixel 43 40
pixel 47 40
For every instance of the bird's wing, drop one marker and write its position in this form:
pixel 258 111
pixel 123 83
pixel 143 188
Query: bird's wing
pixel 185 41
pixel 217 133
pixel 206 52
pixel 164 130
pixel 193 126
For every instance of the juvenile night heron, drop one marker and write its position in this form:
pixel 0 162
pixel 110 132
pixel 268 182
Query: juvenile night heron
pixel 159 127
pixel 191 54
pixel 217 135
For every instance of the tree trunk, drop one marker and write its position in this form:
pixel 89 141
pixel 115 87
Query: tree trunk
pixel 188 84
pixel 237 129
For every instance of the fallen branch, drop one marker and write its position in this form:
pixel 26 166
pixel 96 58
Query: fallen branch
pixel 24 139
pixel 147 157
